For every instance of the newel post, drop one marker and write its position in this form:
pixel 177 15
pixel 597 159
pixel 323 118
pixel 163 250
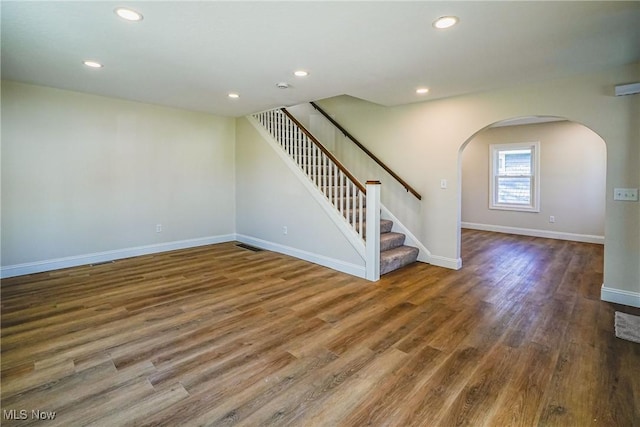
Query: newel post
pixel 372 237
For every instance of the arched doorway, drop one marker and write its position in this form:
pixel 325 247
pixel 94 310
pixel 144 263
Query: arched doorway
pixel 571 187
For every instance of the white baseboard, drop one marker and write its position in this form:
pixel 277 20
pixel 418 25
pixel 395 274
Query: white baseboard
pixel 440 261
pixel 97 257
pixel 620 296
pixel 585 238
pixel 335 264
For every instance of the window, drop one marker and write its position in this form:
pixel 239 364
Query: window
pixel 515 177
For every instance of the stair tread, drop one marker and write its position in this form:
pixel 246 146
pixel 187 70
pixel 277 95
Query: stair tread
pixel 391 240
pixel 390 235
pixel 399 251
pixel 385 226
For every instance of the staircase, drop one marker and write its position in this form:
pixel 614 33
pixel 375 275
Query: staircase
pixel 394 254
pixel 337 184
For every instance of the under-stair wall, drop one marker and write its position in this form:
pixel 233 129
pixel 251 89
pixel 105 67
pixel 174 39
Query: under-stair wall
pixel 271 195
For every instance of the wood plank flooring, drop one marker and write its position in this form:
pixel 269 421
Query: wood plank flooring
pixel 220 335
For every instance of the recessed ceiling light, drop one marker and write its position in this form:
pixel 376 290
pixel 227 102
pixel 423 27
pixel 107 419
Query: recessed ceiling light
pixel 233 95
pixel 445 22
pixel 301 73
pixel 128 14
pixel 422 90
pixel 92 64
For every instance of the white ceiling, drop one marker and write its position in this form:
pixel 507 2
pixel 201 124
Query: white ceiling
pixel 191 54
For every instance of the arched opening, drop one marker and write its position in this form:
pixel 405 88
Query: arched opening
pixel 571 168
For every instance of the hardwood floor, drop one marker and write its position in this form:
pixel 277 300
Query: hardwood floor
pixel 221 335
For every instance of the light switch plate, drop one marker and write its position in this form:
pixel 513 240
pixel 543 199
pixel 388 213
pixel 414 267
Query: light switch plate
pixel 628 194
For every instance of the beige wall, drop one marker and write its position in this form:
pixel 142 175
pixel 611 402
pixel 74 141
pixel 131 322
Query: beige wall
pixel 572 180
pixel 425 141
pixel 84 174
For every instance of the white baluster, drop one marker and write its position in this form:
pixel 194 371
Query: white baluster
pixel 342 190
pixel 308 158
pixel 361 212
pixel 325 174
pixel 372 238
pixel 285 138
pixel 330 187
pixel 296 149
pixel 290 139
pixel 316 165
pixel 338 183
pixel 345 198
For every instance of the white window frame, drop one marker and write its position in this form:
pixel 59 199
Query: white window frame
pixel 494 150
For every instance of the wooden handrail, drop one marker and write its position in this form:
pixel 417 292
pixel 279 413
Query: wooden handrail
pixel 367 152
pixel 326 152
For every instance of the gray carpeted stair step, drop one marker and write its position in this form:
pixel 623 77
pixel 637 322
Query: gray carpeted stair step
pixel 396 258
pixel 390 240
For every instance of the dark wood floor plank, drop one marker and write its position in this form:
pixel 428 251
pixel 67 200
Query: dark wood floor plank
pixel 220 335
pixel 429 401
pixel 519 402
pixel 389 398
pixel 478 401
pixel 291 407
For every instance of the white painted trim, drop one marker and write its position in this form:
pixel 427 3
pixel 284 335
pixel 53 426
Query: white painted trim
pixel 335 264
pixel 620 296
pixel 398 227
pixel 627 89
pixel 97 257
pixel 440 261
pixel 494 149
pixel 352 236
pixel 586 238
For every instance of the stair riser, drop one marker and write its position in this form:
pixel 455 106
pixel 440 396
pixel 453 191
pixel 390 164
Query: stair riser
pixel 409 256
pixel 390 241
pixel 385 226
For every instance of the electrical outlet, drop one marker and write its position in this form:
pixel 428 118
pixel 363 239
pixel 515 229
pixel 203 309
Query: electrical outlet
pixel 552 219
pixel 628 194
pixel 158 228
pixel 285 231
pixel 443 184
